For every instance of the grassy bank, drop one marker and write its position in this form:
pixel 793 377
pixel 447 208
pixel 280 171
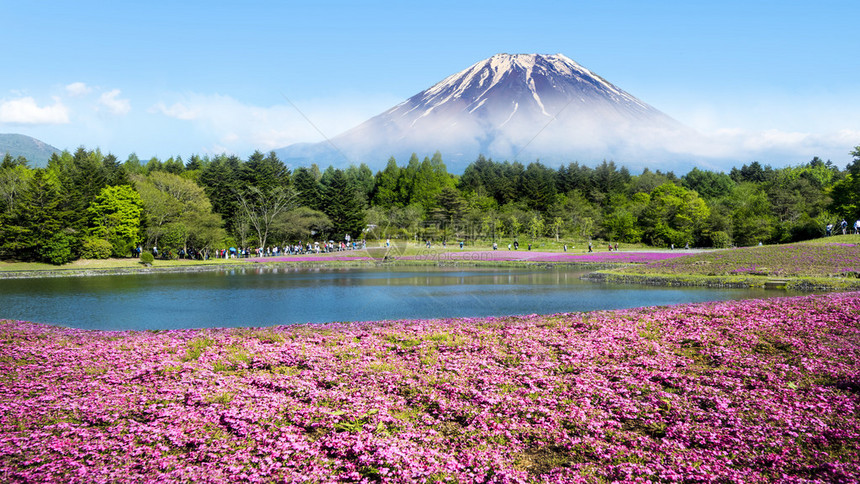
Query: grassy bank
pixel 14 270
pixel 832 263
pixel 748 391
pixel 407 254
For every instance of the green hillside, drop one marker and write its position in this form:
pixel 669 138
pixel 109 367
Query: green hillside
pixel 37 152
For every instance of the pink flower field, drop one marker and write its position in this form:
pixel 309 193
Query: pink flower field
pixel 746 391
pixel 534 256
pixel 485 256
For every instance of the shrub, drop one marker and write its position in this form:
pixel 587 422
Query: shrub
pixel 58 250
pixel 721 240
pixel 96 248
pixel 146 258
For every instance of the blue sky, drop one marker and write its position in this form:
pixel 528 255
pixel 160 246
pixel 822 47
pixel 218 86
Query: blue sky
pixel 774 81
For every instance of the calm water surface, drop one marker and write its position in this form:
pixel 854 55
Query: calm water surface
pixel 266 297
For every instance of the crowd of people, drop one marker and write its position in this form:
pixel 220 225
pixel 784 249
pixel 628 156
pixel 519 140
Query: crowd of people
pixel 300 248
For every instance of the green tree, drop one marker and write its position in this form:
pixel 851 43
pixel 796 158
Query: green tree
pixel 344 206
pixel 132 165
pixel 582 216
pixel 177 207
pixel 174 165
pixel 302 224
pixel 649 180
pixel 608 179
pixel 386 193
pixel 491 224
pixel 752 217
pixel 14 180
pixel 265 172
pixel 406 182
pixel 115 214
pixel 846 192
pixel 220 181
pixel 796 204
pixel 58 249
pixel 484 177
pixel 557 225
pixel 449 212
pixel 537 186
pixel 395 222
pixel 195 163
pixel 11 162
pixel 708 184
pixel 753 173
pixel 308 188
pixel 674 215
pixel 536 226
pixel 35 229
pixel 261 208
pixel 154 164
pixel 114 171
pixel 429 181
pixel 575 177
pixel 513 225
pixel 363 180
pixel 81 177
pixel 622 226
pixel 451 204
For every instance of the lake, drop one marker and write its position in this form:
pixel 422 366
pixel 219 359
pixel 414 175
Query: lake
pixel 258 296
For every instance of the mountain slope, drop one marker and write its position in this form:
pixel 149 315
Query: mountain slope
pixel 521 106
pixel 37 152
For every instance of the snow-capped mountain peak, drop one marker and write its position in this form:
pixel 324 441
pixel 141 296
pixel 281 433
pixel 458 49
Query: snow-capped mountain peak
pixel 503 105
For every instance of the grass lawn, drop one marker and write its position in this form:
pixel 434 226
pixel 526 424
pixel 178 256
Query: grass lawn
pixel 101 264
pixel 829 257
pixel 401 248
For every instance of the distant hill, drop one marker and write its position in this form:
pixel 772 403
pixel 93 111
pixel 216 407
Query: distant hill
pixel 37 152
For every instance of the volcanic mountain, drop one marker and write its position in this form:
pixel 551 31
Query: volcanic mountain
pixel 507 107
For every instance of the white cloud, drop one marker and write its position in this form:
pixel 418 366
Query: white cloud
pixel 772 146
pixel 114 103
pixel 25 111
pixel 233 126
pixel 77 89
pixel 176 110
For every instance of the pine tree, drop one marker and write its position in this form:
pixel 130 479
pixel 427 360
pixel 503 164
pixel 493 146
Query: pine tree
pixel 264 172
pixel 220 183
pixel 308 188
pixel 36 219
pixel 386 194
pixel 343 205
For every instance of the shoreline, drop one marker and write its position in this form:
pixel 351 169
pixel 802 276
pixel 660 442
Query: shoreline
pixel 598 275
pixel 804 284
pixel 118 271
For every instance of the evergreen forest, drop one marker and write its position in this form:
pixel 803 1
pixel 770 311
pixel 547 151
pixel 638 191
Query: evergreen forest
pixel 90 205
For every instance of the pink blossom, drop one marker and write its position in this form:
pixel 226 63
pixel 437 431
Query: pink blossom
pixel 742 391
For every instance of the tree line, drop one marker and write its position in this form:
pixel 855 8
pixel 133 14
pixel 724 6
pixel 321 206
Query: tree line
pixel 90 205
